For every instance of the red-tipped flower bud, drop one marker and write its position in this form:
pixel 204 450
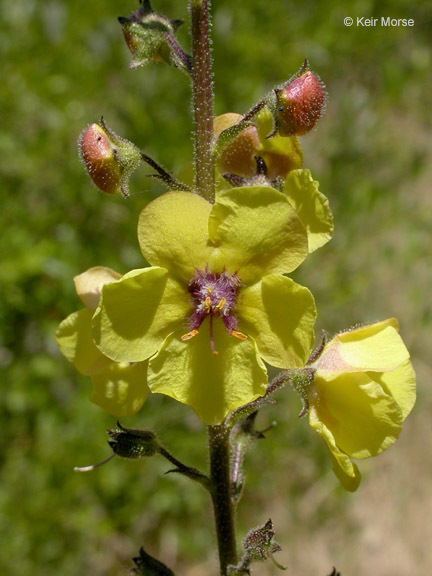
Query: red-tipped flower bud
pixel 109 159
pixel 300 104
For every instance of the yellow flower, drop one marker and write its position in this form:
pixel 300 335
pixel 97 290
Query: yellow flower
pixel 363 389
pixel 214 302
pixel 118 388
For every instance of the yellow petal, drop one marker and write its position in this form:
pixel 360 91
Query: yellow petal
pixel 400 384
pixel 280 315
pixel 89 284
pixel 377 347
pixel 224 121
pixel 211 385
pixel 173 233
pixel 137 312
pixel 371 350
pixel 311 206
pixel 346 471
pixel 256 232
pixel 75 342
pixel 362 418
pixel 363 332
pixel 121 389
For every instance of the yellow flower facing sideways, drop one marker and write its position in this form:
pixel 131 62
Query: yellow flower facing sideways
pixel 363 389
pixel 118 388
pixel 214 303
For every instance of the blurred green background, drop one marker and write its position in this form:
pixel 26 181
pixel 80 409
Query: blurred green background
pixel 63 64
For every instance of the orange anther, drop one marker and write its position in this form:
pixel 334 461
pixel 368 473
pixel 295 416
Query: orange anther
pixel 207 305
pixel 189 335
pixel 220 304
pixel 238 335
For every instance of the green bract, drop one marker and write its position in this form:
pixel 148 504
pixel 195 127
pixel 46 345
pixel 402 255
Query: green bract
pixel 118 388
pixel 248 239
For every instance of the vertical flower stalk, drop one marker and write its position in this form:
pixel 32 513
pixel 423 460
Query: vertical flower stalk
pixel 204 182
pixel 219 450
pixel 202 98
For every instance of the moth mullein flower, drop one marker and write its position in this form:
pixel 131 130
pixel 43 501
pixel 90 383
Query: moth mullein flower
pixel 118 388
pixel 214 303
pixel 363 389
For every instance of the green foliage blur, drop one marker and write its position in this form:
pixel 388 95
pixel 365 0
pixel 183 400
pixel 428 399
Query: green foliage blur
pixel 63 64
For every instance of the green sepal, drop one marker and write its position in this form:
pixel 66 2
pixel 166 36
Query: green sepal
pixel 150 38
pixel 227 136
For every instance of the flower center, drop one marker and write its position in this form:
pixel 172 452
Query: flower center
pixel 213 296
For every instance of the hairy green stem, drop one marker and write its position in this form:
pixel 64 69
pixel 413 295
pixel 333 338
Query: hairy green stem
pixel 202 98
pixel 219 450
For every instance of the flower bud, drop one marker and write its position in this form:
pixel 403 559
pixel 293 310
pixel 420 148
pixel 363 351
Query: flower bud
pixel 300 103
pixel 238 155
pixel 150 38
pixel 249 154
pixel 133 444
pixel 109 159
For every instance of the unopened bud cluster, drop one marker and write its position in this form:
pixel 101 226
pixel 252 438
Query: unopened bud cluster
pixel 262 147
